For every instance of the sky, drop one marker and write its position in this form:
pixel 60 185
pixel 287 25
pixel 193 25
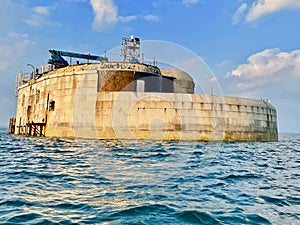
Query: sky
pixel 251 47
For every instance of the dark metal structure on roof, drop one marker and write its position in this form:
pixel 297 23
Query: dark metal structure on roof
pixel 58 61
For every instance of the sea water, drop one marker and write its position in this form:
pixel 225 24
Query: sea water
pixel 81 181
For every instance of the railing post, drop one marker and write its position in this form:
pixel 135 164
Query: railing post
pixel 30 129
pixel 34 130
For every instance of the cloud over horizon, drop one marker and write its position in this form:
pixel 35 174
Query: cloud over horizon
pixel 268 63
pixel 270 74
pixel 266 73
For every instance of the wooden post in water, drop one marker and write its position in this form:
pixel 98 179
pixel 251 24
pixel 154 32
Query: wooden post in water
pixel 12 125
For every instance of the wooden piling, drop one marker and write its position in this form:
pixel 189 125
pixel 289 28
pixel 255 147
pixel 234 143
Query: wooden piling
pixel 12 125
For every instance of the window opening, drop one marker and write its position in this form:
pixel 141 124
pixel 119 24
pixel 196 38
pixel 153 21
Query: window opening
pixel 52 105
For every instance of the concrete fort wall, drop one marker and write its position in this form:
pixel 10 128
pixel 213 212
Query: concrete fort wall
pixel 72 103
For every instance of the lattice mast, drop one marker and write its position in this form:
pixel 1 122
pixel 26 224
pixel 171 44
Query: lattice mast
pixel 131 49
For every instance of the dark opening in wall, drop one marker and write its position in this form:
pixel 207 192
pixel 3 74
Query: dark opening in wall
pixel 167 84
pixel 23 100
pixel 51 105
pixel 29 109
pixel 38 96
pixel 153 83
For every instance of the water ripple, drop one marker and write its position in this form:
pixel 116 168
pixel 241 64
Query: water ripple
pixel 79 181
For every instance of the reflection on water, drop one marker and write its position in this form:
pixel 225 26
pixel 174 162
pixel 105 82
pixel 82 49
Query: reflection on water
pixel 79 181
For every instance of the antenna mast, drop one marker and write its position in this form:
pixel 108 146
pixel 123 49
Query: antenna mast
pixel 131 49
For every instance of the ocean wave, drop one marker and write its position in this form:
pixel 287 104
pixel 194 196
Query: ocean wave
pixel 79 181
pixel 197 217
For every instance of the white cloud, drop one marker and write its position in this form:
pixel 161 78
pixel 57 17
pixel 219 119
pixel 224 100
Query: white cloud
pixel 14 15
pixel 189 2
pixel 270 74
pixel 106 14
pixel 224 64
pixel 267 74
pixel 12 47
pixel 39 17
pixel 239 13
pixel 126 19
pixel 41 10
pixel 264 7
pixel 149 18
pixel 269 63
pixel 261 8
pixel 152 18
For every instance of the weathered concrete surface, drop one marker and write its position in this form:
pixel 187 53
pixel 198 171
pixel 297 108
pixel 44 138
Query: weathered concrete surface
pixel 84 109
pixel 183 83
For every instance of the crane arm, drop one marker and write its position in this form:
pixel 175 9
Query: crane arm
pixel 57 57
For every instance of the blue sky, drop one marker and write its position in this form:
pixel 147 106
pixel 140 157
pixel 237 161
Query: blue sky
pixel 251 46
